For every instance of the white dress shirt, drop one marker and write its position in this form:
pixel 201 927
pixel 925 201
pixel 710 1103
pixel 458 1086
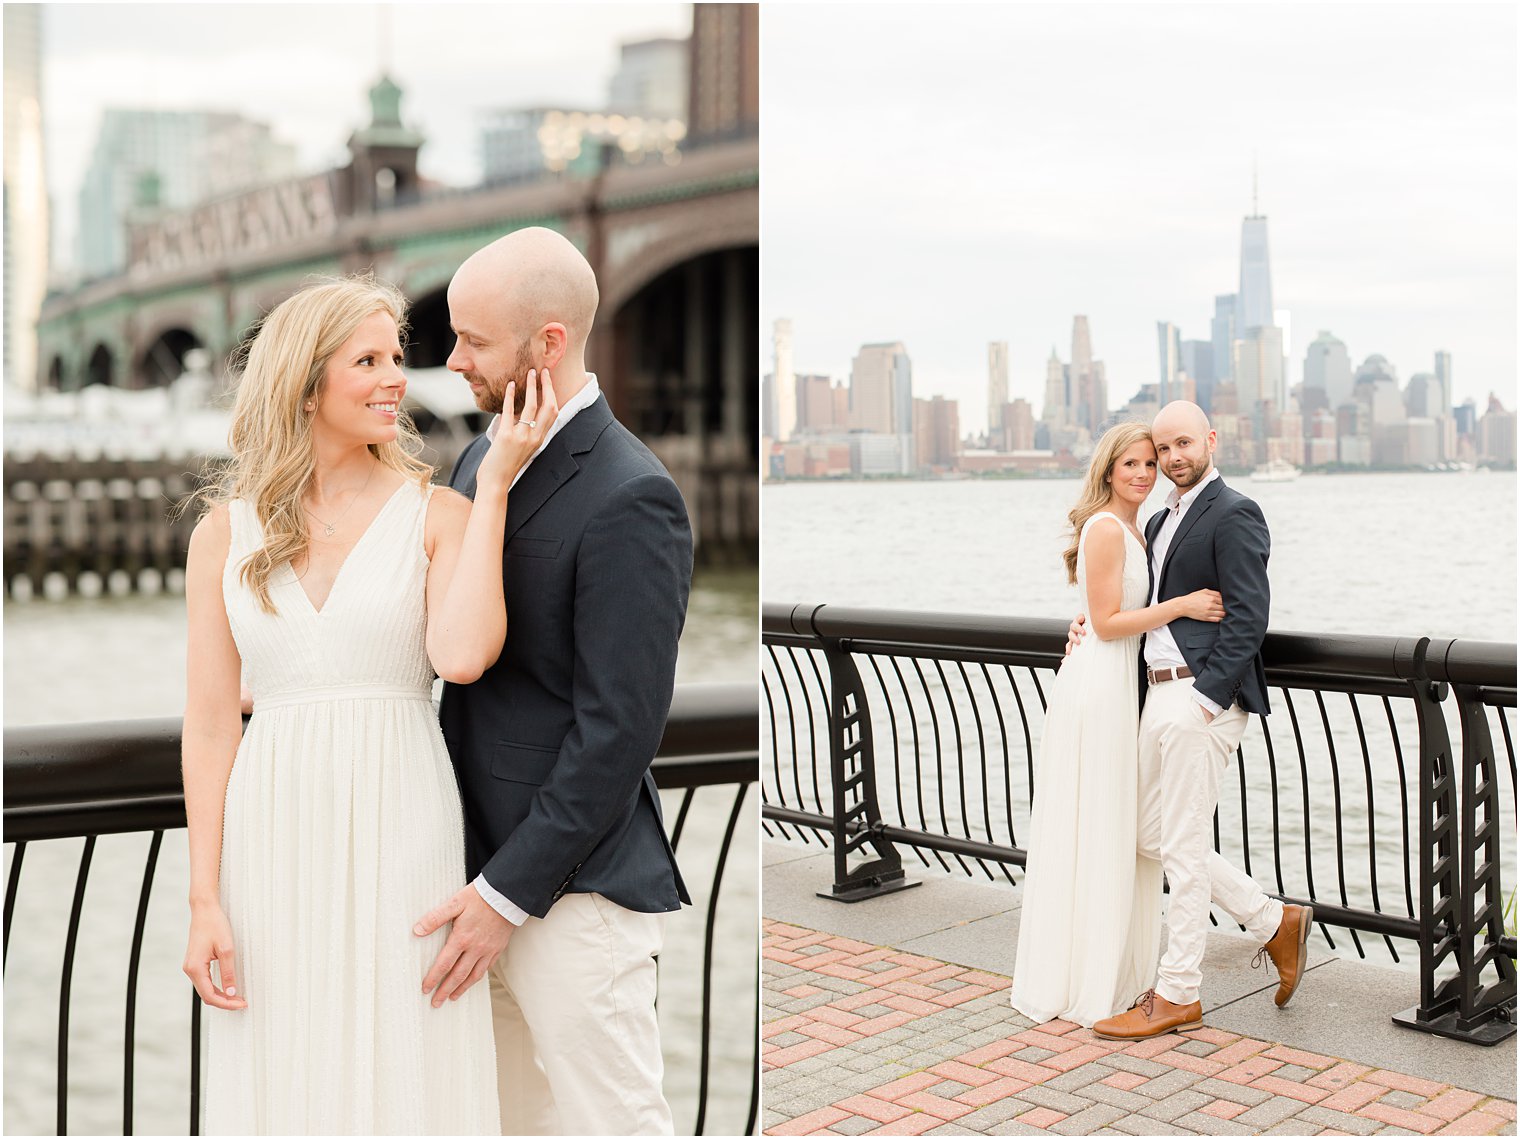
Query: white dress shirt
pixel 576 403
pixel 1161 649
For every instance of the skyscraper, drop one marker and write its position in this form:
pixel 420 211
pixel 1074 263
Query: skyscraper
pixel 1327 367
pixel 881 396
pixel 1087 387
pixel 26 202
pixel 1169 344
pixel 1422 396
pixel 1283 319
pixel 1222 333
pixel 816 406
pixel 1056 412
pixel 723 74
pixel 785 384
pixel 936 434
pixel 1198 363
pixel 651 79
pixel 1255 309
pixel 997 385
pixel 1259 338
pixel 1081 347
pixel 1377 385
pixel 167 159
pixel 1257 368
pixel 881 393
pixel 1443 379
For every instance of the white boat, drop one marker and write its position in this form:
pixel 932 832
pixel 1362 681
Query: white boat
pixel 1278 470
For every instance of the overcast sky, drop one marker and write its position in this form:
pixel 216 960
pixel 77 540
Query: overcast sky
pixel 306 70
pixel 950 175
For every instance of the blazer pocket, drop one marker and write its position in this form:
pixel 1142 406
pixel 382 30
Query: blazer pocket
pixel 534 547
pixel 1200 638
pixel 522 763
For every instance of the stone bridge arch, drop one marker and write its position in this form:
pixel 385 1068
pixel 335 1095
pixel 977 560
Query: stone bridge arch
pixel 100 367
pixel 162 359
pixel 645 245
pixel 429 338
pixel 678 326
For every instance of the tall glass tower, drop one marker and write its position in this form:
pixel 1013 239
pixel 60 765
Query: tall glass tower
pixel 1222 331
pixel 997 384
pixel 1255 276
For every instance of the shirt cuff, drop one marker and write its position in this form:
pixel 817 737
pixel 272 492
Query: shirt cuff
pixel 499 901
pixel 1198 696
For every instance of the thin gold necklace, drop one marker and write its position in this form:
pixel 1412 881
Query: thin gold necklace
pixel 331 528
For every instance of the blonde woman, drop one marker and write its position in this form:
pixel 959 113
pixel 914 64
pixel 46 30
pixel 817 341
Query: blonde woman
pixel 1089 925
pixel 330 574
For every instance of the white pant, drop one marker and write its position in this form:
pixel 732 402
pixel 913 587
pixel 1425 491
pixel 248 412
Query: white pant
pixel 1182 756
pixel 577 1041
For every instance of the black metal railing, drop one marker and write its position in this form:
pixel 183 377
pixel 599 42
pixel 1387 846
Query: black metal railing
pixel 886 729
pixel 89 780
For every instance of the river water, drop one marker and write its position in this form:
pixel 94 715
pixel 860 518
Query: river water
pixel 1391 554
pixel 80 660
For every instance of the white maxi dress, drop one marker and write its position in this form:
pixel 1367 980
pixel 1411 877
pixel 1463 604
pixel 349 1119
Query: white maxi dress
pixel 342 828
pixel 1090 922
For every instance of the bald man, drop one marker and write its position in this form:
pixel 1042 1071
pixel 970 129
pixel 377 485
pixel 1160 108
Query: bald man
pixel 552 745
pixel 1200 680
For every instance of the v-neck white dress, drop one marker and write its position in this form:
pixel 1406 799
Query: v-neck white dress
pixel 342 828
pixel 1090 923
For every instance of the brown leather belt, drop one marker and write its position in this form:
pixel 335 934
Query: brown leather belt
pixel 1159 675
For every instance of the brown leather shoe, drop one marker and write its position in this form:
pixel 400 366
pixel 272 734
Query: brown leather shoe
pixel 1289 950
pixel 1151 1015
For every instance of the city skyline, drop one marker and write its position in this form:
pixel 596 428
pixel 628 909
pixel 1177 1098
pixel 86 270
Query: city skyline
pixel 999 217
pixel 308 77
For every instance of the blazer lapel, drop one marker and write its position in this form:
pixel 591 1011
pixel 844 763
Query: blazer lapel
pixel 557 465
pixel 1199 508
pixel 463 477
pixel 1152 528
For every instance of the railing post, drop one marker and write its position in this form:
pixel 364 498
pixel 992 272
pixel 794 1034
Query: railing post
pixel 1438 845
pixel 1486 1013
pixel 852 768
pixel 1447 928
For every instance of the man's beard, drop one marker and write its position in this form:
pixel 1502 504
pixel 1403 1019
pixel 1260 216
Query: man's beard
pixel 1185 479
pixel 492 397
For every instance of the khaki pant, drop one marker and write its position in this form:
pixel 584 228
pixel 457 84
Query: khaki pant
pixel 1182 757
pixel 577 1042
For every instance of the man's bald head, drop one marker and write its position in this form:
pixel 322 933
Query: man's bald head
pixel 1181 415
pixel 532 278
pixel 1184 443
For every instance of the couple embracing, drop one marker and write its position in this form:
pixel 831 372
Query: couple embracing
pixel 1145 713
pixel 356 867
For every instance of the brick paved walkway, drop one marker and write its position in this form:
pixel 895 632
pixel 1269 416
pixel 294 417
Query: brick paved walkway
pixel 862 1039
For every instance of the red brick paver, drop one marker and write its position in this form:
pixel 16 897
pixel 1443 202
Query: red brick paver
pixel 1223 1109
pixel 1040 1117
pixel 915 1124
pixel 991 1073
pixel 1474 1123
pixel 872 1108
pixel 1400 1082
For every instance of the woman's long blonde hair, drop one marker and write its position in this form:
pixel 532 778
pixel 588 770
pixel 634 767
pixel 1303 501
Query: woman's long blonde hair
pixel 284 366
pixel 1095 488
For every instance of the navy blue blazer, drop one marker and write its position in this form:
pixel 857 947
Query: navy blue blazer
pixel 1222 544
pixel 552 745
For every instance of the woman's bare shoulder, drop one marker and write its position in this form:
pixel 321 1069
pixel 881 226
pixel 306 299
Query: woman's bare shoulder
pixel 447 513
pixel 214 530
pixel 448 504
